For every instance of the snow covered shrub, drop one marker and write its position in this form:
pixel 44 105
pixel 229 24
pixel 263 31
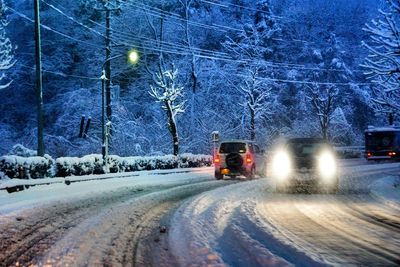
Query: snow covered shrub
pixel 115 164
pixel 90 164
pixel 188 160
pixel 20 150
pixel 149 163
pixel 39 167
pixel 32 167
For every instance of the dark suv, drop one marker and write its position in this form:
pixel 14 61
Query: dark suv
pixel 305 163
pixel 238 157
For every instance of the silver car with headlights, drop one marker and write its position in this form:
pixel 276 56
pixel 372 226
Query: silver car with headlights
pixel 305 164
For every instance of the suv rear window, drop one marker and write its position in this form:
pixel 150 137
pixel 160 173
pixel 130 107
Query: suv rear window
pixel 232 148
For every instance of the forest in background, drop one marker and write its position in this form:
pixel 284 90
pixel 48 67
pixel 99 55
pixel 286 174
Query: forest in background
pixel 248 69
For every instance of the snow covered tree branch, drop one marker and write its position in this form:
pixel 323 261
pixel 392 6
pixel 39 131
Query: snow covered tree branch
pixel 323 102
pixel 168 92
pixel 6 48
pixel 383 62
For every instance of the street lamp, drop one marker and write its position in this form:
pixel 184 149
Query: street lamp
pixel 133 58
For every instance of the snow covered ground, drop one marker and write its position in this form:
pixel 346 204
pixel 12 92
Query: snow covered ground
pixel 248 225
pixel 55 189
pixel 387 189
pixel 186 218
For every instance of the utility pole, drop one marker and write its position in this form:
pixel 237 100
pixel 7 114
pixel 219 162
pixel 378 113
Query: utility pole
pixel 107 66
pixel 39 91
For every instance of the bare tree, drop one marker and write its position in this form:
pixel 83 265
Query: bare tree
pixel 323 100
pixel 6 48
pixel 169 93
pixel 258 99
pixel 193 60
pixel 383 61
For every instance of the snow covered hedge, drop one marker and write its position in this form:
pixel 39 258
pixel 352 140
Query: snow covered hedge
pixel 39 167
pixel 31 167
pixel 93 164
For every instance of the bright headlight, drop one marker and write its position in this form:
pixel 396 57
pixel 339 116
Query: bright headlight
pixel 327 165
pixel 281 165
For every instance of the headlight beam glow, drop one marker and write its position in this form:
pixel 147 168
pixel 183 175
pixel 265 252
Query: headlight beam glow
pixel 281 165
pixel 327 165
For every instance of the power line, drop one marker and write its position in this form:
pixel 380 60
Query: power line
pixel 186 53
pixel 186 50
pixel 225 55
pixel 52 30
pixel 309 82
pixel 226 5
pixel 60 73
pixel 153 11
pixel 72 19
pixel 151 41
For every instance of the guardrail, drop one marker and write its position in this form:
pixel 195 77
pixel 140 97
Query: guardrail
pixel 350 151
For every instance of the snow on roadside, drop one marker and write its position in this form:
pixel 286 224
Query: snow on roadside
pixel 7 183
pixel 39 195
pixel 387 190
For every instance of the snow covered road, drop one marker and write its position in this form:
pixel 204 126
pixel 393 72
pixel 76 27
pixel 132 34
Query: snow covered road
pixel 188 218
pixel 249 225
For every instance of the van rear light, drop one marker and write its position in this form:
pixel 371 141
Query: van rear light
pixel 248 159
pixel 369 154
pixel 392 154
pixel 217 159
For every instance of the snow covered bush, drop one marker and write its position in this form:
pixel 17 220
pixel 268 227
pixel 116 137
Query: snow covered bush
pixel 93 164
pixel 20 150
pixel 22 167
pixel 188 160
pixel 90 164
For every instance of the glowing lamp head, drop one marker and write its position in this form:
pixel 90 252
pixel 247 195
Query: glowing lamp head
pixel 281 165
pixel 133 56
pixel 327 165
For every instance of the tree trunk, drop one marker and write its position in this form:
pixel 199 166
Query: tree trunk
pixel 172 128
pixel 252 125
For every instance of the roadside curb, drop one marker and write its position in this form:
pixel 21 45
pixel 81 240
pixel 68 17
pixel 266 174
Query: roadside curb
pixel 16 183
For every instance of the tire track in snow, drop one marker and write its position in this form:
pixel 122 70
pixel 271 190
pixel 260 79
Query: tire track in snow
pixel 25 238
pixel 322 225
pixel 123 234
pixel 248 224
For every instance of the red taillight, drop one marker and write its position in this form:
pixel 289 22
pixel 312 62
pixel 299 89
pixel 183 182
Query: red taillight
pixel 248 159
pixel 392 154
pixel 217 159
pixel 369 154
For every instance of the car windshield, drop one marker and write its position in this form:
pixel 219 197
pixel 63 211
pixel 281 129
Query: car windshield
pixel 232 148
pixel 302 149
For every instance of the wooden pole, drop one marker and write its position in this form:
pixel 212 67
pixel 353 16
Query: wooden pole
pixel 39 91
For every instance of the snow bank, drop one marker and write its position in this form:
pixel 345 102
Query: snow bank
pixel 387 190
